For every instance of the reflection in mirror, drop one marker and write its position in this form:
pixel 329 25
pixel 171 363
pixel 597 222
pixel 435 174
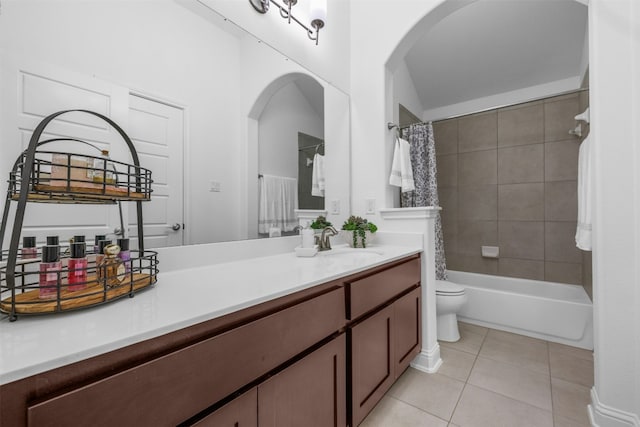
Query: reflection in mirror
pixel 181 95
pixel 290 154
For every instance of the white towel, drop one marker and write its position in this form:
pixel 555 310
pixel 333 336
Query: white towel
pixel 317 177
pixel 277 205
pixel 585 195
pixel 401 172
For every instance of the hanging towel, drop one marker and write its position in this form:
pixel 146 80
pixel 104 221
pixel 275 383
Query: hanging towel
pixel 585 195
pixel 277 204
pixel 401 172
pixel 317 177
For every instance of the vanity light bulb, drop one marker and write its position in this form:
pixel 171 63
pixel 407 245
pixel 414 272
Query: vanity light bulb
pixel 318 11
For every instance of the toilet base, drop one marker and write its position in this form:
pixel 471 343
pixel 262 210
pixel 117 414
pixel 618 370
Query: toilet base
pixel 448 327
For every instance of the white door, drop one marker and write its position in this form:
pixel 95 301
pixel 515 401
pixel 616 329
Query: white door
pixel 157 131
pixel 31 91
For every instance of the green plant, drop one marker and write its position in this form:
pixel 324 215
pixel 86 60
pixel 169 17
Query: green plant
pixel 359 226
pixel 320 223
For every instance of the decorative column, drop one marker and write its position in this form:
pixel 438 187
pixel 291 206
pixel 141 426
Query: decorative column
pixel 421 220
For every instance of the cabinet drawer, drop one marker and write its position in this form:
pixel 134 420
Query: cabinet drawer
pixel 240 412
pixel 375 290
pixel 174 387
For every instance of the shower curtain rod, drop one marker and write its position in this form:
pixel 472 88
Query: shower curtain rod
pixel 311 146
pixel 391 125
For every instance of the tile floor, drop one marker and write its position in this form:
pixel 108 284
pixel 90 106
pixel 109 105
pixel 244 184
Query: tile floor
pixel 493 378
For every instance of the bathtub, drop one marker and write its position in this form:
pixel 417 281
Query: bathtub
pixel 550 311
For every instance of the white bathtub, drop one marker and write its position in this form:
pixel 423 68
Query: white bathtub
pixel 551 311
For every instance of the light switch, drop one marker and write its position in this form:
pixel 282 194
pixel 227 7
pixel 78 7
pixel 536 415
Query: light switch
pixel 214 186
pixel 335 207
pixel 371 206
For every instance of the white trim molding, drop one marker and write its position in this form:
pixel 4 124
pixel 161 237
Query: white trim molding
pixel 428 361
pixel 602 415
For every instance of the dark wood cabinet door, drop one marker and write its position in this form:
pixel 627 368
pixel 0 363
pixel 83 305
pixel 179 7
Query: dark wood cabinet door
pixel 372 358
pixel 309 393
pixel 240 412
pixel 407 329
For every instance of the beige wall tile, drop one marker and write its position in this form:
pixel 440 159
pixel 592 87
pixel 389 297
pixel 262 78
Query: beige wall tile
pixel 521 202
pixel 521 125
pixel 521 239
pixel 560 244
pixel 559 116
pixel 450 236
pixel 448 198
pixel 472 235
pixel 561 160
pixel 478 132
pixel 445 134
pixel 522 268
pixel 563 272
pixel 478 203
pixel 476 264
pixel 561 201
pixel 447 166
pixel 521 164
pixel 478 168
pixel 483 408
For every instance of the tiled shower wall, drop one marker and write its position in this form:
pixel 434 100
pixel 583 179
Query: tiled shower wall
pixel 507 178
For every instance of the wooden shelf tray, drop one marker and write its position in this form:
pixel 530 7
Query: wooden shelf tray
pixel 94 294
pixel 60 192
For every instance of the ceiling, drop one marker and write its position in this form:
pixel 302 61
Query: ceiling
pixel 494 46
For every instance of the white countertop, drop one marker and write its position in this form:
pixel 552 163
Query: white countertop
pixel 179 299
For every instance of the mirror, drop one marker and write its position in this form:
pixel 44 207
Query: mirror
pixel 166 71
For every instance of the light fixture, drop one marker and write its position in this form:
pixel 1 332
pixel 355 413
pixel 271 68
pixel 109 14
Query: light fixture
pixel 317 14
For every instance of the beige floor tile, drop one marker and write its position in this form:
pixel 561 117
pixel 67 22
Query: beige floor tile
pixel 470 341
pixel 433 393
pixel 580 353
pixel 570 400
pixel 518 383
pixel 480 330
pixel 517 350
pixel 456 364
pixel 559 421
pixel 570 368
pixel 392 412
pixel 482 408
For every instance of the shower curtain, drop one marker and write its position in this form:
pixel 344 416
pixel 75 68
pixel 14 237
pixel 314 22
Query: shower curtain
pixel 423 162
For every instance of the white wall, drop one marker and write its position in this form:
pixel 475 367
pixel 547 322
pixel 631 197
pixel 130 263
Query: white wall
pixel 287 113
pixel 330 59
pixel 161 49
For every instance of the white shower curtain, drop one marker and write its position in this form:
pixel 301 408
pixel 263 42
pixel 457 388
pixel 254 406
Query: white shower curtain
pixel 423 162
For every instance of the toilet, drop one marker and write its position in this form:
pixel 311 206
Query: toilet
pixel 450 297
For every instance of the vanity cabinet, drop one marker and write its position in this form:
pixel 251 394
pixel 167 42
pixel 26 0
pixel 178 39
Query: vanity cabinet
pixel 384 334
pixel 305 359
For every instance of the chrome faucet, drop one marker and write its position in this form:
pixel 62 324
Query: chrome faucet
pixel 325 244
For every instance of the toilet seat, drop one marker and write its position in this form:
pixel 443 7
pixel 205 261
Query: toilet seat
pixel 446 288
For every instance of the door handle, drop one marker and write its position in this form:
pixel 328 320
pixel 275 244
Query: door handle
pixel 176 227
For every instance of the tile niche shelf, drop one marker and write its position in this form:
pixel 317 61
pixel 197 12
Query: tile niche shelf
pixel 44 176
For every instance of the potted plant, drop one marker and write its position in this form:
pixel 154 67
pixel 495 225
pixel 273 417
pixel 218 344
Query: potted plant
pixel 357 231
pixel 320 223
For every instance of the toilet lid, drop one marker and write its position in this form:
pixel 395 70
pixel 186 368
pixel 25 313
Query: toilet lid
pixel 444 287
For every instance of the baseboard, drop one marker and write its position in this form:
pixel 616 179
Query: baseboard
pixel 602 415
pixel 428 360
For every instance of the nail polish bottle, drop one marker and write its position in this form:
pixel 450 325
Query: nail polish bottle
pixel 50 268
pixel 53 241
pixel 77 239
pixel 29 249
pixel 77 278
pixel 100 258
pixel 125 254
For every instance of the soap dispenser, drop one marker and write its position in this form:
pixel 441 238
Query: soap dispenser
pixel 307 236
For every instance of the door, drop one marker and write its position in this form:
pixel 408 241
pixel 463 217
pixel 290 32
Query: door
pixel 31 91
pixel 157 131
